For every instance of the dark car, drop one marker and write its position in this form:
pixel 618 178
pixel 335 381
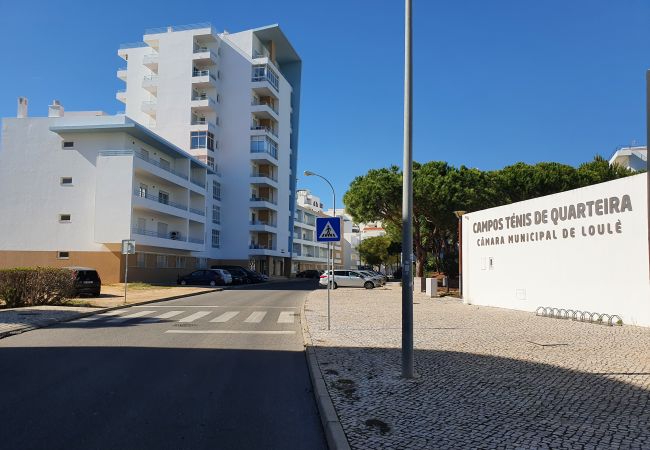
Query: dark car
pixel 86 281
pixel 203 276
pixel 238 276
pixel 248 275
pixel 311 273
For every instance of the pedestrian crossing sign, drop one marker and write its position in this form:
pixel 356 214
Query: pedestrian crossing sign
pixel 328 229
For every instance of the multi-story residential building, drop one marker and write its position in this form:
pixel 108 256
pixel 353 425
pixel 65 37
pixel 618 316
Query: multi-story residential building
pixel 307 253
pixel 633 157
pixel 231 100
pixel 353 234
pixel 200 169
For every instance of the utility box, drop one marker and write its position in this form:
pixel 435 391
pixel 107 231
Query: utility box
pixel 418 284
pixel 431 287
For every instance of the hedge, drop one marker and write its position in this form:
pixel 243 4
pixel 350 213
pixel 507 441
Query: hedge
pixel 32 286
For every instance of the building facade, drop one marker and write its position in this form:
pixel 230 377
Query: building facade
pixel 199 169
pixel 635 158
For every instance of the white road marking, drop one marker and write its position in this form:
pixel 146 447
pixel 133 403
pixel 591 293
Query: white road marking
pixel 196 315
pixel 130 316
pixel 225 317
pixel 228 332
pixel 169 314
pixel 102 315
pixel 179 306
pixel 286 317
pixel 256 317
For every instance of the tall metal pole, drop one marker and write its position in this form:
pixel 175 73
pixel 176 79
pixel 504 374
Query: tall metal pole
pixel 460 256
pixel 407 205
pixel 126 273
pixel 329 283
pixel 647 146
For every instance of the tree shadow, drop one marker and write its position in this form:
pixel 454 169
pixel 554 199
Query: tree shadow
pixel 464 400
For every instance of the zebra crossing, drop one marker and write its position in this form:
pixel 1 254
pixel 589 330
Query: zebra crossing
pixel 183 316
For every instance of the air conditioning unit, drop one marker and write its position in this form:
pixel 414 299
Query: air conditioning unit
pixel 174 235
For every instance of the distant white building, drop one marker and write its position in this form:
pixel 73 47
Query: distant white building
pixel 635 158
pixel 353 234
pixel 200 169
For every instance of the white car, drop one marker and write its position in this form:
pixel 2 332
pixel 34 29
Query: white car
pixel 227 278
pixel 349 278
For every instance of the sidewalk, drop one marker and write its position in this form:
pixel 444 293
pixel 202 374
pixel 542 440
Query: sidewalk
pixel 488 377
pixel 18 320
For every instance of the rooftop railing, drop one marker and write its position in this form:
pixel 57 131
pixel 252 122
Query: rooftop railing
pixel 193 26
pixel 133 45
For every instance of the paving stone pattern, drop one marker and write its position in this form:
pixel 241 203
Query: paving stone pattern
pixel 488 378
pixel 18 320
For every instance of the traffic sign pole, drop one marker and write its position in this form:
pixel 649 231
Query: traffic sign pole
pixel 328 229
pixel 126 273
pixel 330 281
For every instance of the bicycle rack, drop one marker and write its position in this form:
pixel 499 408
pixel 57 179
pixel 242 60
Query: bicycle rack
pixel 579 316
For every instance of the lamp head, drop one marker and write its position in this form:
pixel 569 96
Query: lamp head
pixel 308 173
pixel 459 214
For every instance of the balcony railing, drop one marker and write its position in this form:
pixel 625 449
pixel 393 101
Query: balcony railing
pixel 198 182
pixel 264 175
pixel 146 158
pixel 268 223
pixel 262 247
pixel 172 235
pixel 255 198
pixel 195 240
pixel 265 73
pixel 261 103
pixel 265 149
pixel 150 59
pixel 163 201
pixel 271 130
pixel 151 78
pixel 203 73
pixel 197 211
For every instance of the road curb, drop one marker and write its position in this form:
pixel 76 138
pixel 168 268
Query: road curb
pixel 98 311
pixel 336 438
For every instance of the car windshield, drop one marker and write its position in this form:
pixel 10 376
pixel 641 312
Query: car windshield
pixel 87 275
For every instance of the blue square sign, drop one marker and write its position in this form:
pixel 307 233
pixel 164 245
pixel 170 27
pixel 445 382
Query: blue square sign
pixel 328 229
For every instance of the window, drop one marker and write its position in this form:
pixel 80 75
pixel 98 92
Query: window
pixel 68 144
pixel 211 162
pixel 216 214
pixel 143 190
pixel 63 255
pixel 202 139
pixel 180 262
pixel 66 181
pixel 161 261
pixel 216 190
pixel 163 197
pixel 215 238
pixel 165 164
pixel 65 217
pixel 202 263
pixel 140 260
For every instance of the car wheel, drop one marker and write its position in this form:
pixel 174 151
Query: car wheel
pixel 335 285
pixel 368 285
pixel 213 283
pixel 183 282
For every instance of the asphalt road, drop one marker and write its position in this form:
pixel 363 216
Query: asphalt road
pixel 224 370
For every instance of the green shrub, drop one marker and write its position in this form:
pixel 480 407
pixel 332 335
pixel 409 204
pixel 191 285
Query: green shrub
pixel 33 286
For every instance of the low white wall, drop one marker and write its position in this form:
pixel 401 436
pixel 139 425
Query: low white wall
pixel 585 249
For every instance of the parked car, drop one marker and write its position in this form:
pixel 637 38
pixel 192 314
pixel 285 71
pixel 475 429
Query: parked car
pixel 375 276
pixel 247 275
pixel 349 278
pixel 204 277
pixel 311 273
pixel 237 276
pixel 86 281
pixel 227 278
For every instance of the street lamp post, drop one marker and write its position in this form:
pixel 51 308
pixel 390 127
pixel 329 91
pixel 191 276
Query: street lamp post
pixel 330 255
pixel 408 370
pixel 459 215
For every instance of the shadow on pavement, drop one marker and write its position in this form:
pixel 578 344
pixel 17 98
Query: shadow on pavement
pixel 156 398
pixel 464 400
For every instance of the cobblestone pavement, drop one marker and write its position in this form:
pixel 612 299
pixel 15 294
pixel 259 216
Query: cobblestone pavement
pixel 488 378
pixel 17 320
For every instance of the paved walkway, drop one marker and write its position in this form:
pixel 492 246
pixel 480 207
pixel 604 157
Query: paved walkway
pixel 488 377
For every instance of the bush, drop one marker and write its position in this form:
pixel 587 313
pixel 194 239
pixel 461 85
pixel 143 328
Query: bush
pixel 33 286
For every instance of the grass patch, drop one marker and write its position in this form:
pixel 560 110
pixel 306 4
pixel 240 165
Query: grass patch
pixel 78 302
pixel 141 286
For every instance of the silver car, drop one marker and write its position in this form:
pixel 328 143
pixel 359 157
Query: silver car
pixel 378 278
pixel 349 278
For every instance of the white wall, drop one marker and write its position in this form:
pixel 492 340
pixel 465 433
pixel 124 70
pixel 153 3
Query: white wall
pixel 604 273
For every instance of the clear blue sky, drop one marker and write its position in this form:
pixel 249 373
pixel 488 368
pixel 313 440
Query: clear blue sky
pixel 496 82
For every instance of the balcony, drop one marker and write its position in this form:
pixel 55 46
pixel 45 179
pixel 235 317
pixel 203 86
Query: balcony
pixel 164 167
pixel 121 95
pixel 151 61
pixel 262 249
pixel 121 73
pixel 149 107
pixel 163 201
pixel 196 240
pixel 263 76
pixel 257 202
pixel 203 124
pixel 198 182
pixel 263 129
pixel 150 83
pixel 257 198
pixel 264 150
pixel 204 79
pixel 264 109
pixel 172 239
pixel 203 104
pixel 263 225
pixel 204 55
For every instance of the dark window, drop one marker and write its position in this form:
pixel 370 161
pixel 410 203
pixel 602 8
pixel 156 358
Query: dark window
pixel 68 144
pixel 63 255
pixel 65 217
pixel 66 180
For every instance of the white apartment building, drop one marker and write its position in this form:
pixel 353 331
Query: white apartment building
pixel 200 169
pixel 353 234
pixel 633 157
pixel 307 253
